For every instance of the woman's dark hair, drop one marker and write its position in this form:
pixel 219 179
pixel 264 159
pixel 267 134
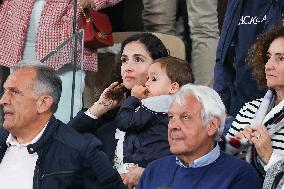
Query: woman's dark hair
pixel 257 54
pixel 152 43
pixel 154 47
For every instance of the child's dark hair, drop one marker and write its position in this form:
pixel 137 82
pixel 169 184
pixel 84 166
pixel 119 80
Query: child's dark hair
pixel 178 70
pixel 152 44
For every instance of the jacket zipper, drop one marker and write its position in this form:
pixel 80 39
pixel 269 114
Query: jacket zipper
pixel 56 173
pixel 37 173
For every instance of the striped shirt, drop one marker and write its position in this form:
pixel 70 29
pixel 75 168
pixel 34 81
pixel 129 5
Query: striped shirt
pixel 247 113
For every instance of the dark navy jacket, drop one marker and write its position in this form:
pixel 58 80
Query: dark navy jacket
pixel 232 76
pixel 67 159
pixel 103 128
pixel 146 137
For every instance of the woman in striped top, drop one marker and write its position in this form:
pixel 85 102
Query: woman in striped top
pixel 259 125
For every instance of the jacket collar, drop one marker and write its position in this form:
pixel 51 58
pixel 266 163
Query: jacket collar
pixel 158 103
pixel 50 129
pixel 47 134
pixel 275 110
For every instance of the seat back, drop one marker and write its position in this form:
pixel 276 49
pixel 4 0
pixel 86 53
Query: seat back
pixel 173 43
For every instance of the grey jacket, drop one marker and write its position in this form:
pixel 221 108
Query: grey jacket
pixel 274 176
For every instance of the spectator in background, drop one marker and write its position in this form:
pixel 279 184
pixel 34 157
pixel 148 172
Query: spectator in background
pixel 29 30
pixel 39 151
pixel 243 21
pixel 204 35
pixel 137 53
pixel 196 120
pixel 142 119
pixel 260 122
pixel 160 16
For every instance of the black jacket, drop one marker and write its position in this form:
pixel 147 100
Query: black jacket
pixel 67 159
pixel 103 128
pixel 146 137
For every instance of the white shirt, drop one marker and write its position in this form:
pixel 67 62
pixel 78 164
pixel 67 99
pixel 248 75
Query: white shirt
pixel 18 165
pixel 30 44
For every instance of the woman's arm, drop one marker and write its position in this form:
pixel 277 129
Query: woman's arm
pixel 84 123
pixel 100 4
pixel 89 121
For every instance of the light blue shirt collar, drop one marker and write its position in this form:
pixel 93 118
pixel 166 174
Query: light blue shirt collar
pixel 202 161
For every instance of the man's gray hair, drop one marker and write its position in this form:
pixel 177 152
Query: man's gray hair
pixel 46 82
pixel 212 105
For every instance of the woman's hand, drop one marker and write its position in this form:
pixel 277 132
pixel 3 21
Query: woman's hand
pixel 85 3
pixel 262 142
pixel 245 134
pixel 139 92
pixel 132 177
pixel 104 103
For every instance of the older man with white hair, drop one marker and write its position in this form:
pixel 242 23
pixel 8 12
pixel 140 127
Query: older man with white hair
pixel 196 121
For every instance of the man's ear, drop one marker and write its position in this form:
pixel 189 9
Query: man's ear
pixel 44 104
pixel 213 126
pixel 174 88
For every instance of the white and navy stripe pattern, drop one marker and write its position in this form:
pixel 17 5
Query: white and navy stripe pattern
pixel 247 113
